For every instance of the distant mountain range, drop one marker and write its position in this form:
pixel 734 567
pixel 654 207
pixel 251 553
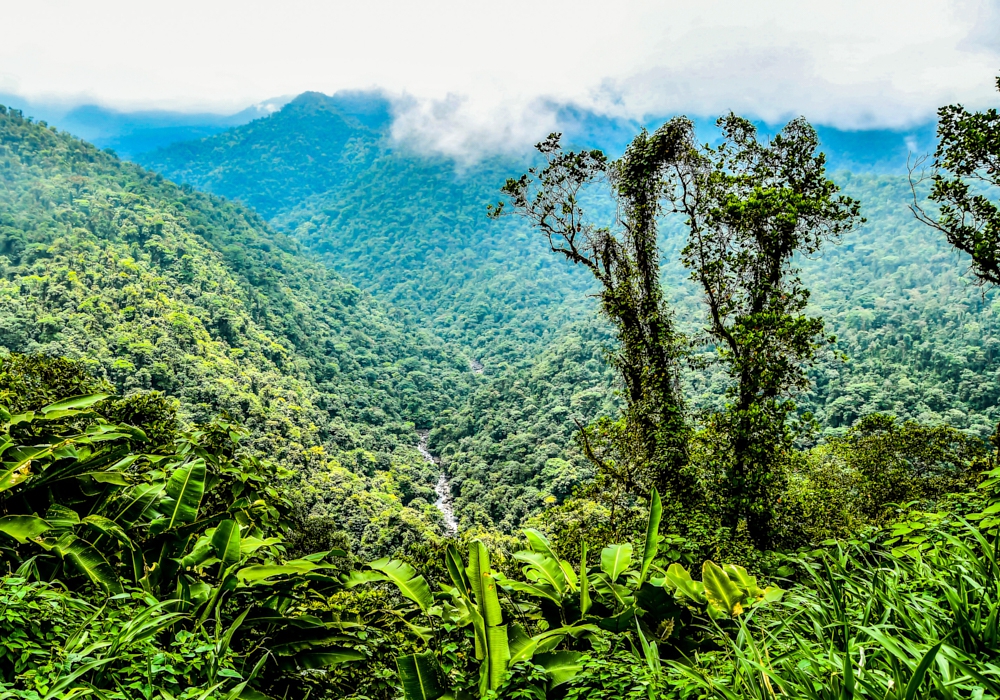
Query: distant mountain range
pixel 881 151
pixel 131 133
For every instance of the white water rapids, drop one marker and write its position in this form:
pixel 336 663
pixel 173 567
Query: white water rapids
pixel 443 488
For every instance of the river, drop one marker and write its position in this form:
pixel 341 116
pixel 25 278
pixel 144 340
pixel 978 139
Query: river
pixel 443 488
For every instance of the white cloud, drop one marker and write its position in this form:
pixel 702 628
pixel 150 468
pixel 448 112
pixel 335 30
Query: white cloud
pixel 475 76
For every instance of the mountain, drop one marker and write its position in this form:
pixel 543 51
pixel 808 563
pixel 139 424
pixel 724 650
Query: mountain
pixel 158 287
pixel 409 229
pixel 128 133
pixel 914 335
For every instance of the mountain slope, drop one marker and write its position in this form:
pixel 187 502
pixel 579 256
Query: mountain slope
pixel 409 229
pixel 159 287
pixel 917 336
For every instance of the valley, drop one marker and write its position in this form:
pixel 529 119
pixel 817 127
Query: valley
pixel 287 412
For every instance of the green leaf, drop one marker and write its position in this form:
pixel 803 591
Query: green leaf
pixel 615 560
pixel 746 582
pixel 499 654
pixel 720 590
pixel 75 403
pixel 479 564
pixel 539 543
pixel 113 478
pixel 918 675
pixel 324 658
pixel 226 542
pixel 560 666
pixel 357 578
pixel 23 527
pixel 407 581
pixel 678 577
pixel 107 527
pixel 138 502
pixel 652 534
pixel 418 674
pixel 584 584
pixel 89 561
pixel 453 562
pixel 185 489
pixel 259 572
pixel 543 569
pixel 13 473
pixel 530 589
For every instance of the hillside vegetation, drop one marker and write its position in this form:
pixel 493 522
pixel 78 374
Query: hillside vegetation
pixel 154 287
pixel 914 334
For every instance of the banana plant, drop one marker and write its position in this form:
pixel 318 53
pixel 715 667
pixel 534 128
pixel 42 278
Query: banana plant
pixel 472 600
pixel 192 527
pixel 724 591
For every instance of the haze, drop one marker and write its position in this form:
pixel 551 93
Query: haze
pixel 476 75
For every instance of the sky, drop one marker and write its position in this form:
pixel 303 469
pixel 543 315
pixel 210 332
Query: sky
pixel 473 75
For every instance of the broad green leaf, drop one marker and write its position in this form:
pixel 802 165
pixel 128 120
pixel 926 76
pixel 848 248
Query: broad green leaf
pixel 199 554
pixel 479 564
pixel 539 543
pixel 23 527
pixel 185 489
pixel 543 569
pixel 89 561
pixel 584 584
pixel 453 562
pixel 259 572
pixel 107 527
pixel 652 534
pixel 720 590
pixel 357 578
pixel 324 658
pixel 113 478
pixel 519 644
pixel 530 589
pixel 13 473
pixel 678 577
pixel 226 542
pixel 569 574
pixel 406 579
pixel 418 674
pixel 137 503
pixel 75 403
pixel 499 654
pixel 249 545
pixel 489 603
pixel 615 560
pixel 60 516
pixel 746 582
pixel 560 666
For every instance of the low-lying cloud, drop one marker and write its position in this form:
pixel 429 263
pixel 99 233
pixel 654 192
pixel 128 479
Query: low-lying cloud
pixel 476 78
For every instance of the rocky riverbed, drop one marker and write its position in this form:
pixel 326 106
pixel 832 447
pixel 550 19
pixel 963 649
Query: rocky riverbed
pixel 442 488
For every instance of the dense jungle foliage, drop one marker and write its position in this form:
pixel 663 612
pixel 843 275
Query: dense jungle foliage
pixel 160 288
pixel 209 486
pixel 914 334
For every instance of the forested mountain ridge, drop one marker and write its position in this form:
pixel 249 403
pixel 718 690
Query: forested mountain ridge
pixel 159 287
pixel 408 228
pixel 915 335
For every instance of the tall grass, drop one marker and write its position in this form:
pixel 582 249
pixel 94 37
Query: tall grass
pixel 867 624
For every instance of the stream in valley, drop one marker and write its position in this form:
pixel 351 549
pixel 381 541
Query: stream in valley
pixel 443 488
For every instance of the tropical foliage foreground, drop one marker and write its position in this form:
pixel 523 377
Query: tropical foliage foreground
pixel 152 564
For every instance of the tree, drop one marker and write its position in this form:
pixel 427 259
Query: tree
pixel 966 163
pixel 651 439
pixel 751 207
